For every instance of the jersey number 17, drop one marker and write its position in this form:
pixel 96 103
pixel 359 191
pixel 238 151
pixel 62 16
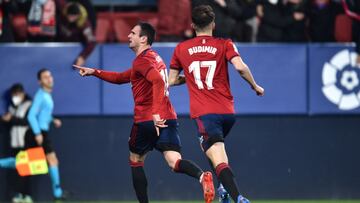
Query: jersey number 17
pixel 195 68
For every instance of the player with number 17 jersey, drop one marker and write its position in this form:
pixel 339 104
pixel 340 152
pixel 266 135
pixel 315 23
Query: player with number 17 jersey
pixel 206 73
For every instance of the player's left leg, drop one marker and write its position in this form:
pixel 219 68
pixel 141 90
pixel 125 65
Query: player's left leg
pixel 138 176
pixel 54 174
pixel 179 165
pixel 53 162
pixel 142 139
pixel 217 154
pixel 169 144
pixel 213 128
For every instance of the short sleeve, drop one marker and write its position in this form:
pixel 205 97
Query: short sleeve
pixel 230 50
pixel 175 62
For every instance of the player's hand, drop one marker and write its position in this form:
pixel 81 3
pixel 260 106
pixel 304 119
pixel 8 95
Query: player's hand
pixel 7 117
pixel 358 60
pixel 39 139
pixel 57 122
pixel 159 123
pixel 84 71
pixel 80 61
pixel 259 90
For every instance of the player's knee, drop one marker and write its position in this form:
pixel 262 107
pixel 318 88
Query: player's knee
pixel 136 163
pixel 136 160
pixel 172 158
pixel 136 157
pixel 52 159
pixel 174 165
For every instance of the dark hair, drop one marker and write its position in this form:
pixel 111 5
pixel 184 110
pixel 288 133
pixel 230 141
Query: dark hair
pixel 73 9
pixel 147 30
pixel 40 72
pixel 202 16
pixel 17 87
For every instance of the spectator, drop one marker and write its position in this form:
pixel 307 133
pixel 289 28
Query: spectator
pixel 230 18
pixel 89 9
pixel 352 9
pixel 75 26
pixel 16 118
pixel 244 14
pixel 322 14
pixel 224 22
pixel 274 20
pixel 42 21
pixel 248 16
pixel 174 20
pixel 6 31
pixel 295 32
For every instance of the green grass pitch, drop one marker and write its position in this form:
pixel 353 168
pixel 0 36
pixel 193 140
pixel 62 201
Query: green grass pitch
pixel 254 201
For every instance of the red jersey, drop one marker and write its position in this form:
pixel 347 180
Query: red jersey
pixel 149 84
pixel 142 88
pixel 204 61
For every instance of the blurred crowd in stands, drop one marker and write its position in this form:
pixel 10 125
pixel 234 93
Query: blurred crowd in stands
pixel 240 20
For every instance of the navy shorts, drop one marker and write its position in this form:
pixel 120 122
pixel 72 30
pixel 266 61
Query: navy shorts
pixel 213 128
pixel 143 137
pixel 30 141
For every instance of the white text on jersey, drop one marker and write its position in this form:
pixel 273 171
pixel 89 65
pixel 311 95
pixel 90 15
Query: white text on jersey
pixel 202 49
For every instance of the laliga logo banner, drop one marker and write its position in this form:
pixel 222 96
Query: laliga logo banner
pixel 340 78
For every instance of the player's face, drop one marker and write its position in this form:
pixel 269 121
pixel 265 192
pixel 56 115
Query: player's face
pixel 134 37
pixel 46 80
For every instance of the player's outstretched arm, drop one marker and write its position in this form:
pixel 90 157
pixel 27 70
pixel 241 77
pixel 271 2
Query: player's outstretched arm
pixel 85 71
pixel 112 77
pixel 175 78
pixel 245 73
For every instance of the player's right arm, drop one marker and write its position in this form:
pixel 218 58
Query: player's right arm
pixel 175 78
pixel 175 68
pixel 246 74
pixel 32 118
pixel 109 76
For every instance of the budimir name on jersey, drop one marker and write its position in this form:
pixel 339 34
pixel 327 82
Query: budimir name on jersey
pixel 202 49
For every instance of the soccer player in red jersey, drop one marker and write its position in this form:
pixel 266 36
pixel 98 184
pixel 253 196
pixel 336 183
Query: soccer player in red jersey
pixel 155 124
pixel 204 62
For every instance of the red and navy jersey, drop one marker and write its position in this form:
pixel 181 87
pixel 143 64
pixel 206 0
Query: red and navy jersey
pixel 145 105
pixel 204 60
